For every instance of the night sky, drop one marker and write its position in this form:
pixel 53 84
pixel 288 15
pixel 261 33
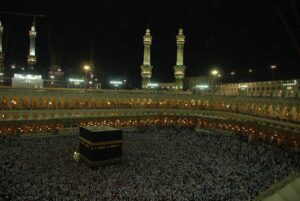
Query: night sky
pixel 233 35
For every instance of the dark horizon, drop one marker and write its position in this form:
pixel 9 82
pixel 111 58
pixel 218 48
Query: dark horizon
pixel 232 35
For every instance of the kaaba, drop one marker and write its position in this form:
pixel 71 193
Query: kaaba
pixel 100 145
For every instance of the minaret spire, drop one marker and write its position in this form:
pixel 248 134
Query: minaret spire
pixel 1 51
pixel 146 68
pixel 1 32
pixel 31 59
pixel 179 69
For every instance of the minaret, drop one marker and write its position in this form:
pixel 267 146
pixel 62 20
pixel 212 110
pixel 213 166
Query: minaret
pixel 1 51
pixel 146 68
pixel 179 69
pixel 31 59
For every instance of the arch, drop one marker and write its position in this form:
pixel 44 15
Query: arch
pixel 52 103
pixel 270 111
pixel 293 114
pixel 283 112
pixel 99 103
pixel 26 103
pixel 61 103
pixel 43 102
pixel 5 102
pixel 86 103
pixel 25 116
pixel 77 103
pixel 276 111
pixel 107 103
pixel 93 102
pixel 15 102
pixel 69 103
pixel 34 103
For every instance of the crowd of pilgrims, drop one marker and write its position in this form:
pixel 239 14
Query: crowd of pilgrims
pixel 159 163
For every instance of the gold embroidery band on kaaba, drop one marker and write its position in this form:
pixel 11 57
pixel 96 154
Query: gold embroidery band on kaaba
pixel 100 143
pixel 101 162
pixel 92 147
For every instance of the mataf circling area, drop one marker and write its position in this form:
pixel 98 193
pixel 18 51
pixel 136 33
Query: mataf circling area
pixel 160 163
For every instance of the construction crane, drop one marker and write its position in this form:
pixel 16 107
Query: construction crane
pixel 285 22
pixel 22 14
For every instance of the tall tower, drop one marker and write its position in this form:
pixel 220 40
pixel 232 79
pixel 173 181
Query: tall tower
pixel 1 51
pixel 31 59
pixel 179 69
pixel 146 68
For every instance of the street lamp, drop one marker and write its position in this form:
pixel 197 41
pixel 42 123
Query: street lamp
pixel 250 72
pixel 273 67
pixel 52 79
pixel 86 68
pixel 214 72
pixel 232 74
